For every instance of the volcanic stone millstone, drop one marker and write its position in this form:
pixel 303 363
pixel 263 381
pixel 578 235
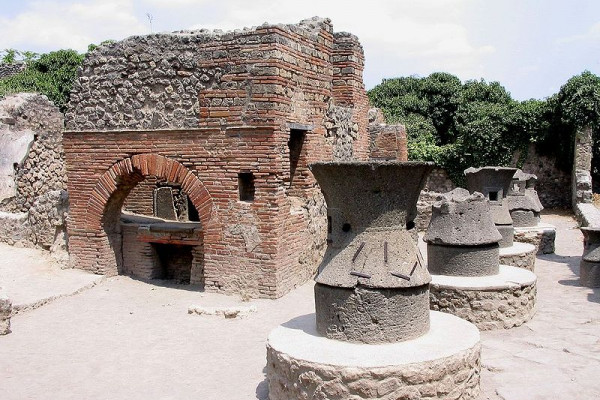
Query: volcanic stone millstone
pixel 373 284
pixel 365 315
pixel 463 260
pixel 494 183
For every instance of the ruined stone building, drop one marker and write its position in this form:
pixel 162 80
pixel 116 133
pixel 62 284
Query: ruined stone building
pixel 33 200
pixel 187 153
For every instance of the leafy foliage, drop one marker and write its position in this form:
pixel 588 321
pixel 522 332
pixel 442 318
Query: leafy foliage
pixel 476 123
pixel 576 105
pixel 51 74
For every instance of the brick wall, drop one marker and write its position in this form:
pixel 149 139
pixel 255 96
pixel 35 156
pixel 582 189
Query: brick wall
pixel 198 109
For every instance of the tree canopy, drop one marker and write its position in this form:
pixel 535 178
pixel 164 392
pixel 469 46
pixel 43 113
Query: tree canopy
pixel 477 123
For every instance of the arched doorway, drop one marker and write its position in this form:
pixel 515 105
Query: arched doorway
pixel 145 247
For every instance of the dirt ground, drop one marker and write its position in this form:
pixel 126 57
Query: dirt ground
pixel 119 338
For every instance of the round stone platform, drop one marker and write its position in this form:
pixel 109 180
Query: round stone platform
pixel 498 301
pixel 542 236
pixel 520 255
pixel 443 364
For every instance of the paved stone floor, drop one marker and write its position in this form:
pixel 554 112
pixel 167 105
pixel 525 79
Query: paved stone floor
pixel 119 338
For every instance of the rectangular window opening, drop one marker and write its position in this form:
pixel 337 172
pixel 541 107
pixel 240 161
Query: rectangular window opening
pixel 295 144
pixel 246 186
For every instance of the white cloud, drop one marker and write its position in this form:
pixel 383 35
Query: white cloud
pixel 50 25
pixel 400 37
pixel 592 34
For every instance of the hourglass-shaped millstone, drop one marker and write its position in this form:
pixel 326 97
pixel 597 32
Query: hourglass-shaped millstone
pixel 462 239
pixel 523 203
pixel 373 285
pixel 589 267
pixel 494 183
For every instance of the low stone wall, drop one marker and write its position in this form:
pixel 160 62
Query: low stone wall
pixel 587 214
pixel 5 313
pixel 500 308
pixel 442 364
pixel 448 378
pixel 542 238
pixel 11 69
pixel 520 255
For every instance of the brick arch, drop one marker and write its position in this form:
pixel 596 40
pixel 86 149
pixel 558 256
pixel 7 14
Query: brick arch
pixel 135 169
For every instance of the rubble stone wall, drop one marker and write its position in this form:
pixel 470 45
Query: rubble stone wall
pixel 39 200
pixel 552 182
pixel 447 378
pixel 488 309
pixel 7 70
pixel 582 165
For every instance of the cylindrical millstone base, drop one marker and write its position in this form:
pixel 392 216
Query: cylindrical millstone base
pixel 524 218
pixel 520 255
pixel 500 301
pixel 589 274
pixel 507 232
pixel 463 260
pixel 367 315
pixel 442 364
pixel 542 236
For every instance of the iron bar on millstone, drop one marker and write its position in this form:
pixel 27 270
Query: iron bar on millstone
pixel 385 253
pixel 399 275
pixel 362 244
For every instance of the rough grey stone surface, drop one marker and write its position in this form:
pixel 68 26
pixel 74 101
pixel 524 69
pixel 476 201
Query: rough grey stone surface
pixel 523 201
pixel 463 260
pixel 7 70
pixel 524 259
pixel 589 267
pixel 367 315
pixel 39 198
pixel 15 147
pixel 591 243
pixel 154 81
pixel 369 206
pixel 487 309
pixel 523 217
pixel 437 183
pixel 341 131
pixel 5 313
pixel 164 204
pixel 494 182
pixel 589 274
pixel 454 377
pixel 507 232
pixel 581 181
pixel 542 239
pixel 587 214
pixel 461 219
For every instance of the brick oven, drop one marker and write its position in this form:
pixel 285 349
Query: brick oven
pixel 187 153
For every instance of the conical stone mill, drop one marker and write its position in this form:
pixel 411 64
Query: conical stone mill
pixel 494 183
pixel 463 258
pixel 525 207
pixel 373 335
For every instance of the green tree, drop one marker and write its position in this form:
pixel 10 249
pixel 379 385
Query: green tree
pixel 51 74
pixel 457 125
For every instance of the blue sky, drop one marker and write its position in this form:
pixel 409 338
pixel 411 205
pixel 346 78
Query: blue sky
pixel 532 47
